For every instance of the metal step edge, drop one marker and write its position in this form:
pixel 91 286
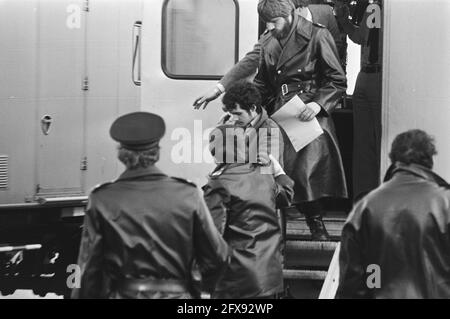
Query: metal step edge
pixel 303 225
pixel 303 234
pixel 301 274
pixel 323 246
pixel 325 220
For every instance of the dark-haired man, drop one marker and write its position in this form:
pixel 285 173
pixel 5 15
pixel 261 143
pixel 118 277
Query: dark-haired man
pixel 143 231
pixel 243 104
pixel 396 241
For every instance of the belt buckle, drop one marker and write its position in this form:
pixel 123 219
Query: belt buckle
pixel 284 89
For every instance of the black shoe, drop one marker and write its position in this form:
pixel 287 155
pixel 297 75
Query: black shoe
pixel 317 228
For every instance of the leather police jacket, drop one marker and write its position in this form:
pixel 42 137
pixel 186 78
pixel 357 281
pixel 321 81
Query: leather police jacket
pixel 242 201
pixel 147 225
pixel 396 241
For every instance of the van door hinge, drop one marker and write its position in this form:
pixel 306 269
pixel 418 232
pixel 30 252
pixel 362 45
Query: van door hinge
pixel 84 164
pixel 86 5
pixel 85 85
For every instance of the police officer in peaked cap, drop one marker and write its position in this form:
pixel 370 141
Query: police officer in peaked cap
pixel 144 232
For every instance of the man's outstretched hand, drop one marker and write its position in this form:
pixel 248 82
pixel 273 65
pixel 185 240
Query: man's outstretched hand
pixel 209 96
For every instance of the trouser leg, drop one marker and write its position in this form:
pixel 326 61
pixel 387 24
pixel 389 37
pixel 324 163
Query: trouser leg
pixel 367 133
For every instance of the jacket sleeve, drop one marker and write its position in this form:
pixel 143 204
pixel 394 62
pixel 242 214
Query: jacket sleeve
pixel 245 68
pixel 352 276
pixel 211 251
pixel 216 197
pixel 262 83
pixel 284 191
pixel 339 36
pixel 90 258
pixel 330 22
pixel 333 82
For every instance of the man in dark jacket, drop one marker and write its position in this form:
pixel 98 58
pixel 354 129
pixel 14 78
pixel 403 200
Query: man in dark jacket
pixel 242 201
pixel 247 66
pixel 242 102
pixel 144 231
pixel 300 58
pixel 396 241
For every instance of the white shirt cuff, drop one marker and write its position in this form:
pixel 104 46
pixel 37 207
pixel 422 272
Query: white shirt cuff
pixel 220 87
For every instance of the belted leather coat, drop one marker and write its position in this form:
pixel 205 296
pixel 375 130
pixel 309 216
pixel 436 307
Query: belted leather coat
pixel 307 66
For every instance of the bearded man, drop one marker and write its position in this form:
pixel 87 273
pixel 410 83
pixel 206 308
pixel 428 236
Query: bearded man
pixel 300 58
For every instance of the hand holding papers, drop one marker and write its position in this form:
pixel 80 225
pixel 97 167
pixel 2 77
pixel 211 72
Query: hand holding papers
pixel 300 133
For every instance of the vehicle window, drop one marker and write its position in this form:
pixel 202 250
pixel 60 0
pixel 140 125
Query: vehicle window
pixel 199 38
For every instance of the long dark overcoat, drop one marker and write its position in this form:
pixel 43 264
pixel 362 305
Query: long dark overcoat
pixel 307 65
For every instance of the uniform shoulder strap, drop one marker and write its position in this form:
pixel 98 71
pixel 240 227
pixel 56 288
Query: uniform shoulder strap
pixel 100 186
pixel 184 181
pixel 319 25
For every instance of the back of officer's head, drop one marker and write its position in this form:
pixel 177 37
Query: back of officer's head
pixel 243 93
pixel 139 134
pixel 270 9
pixel 413 147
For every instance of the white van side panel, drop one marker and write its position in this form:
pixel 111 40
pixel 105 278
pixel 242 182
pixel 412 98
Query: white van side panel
pixel 18 111
pixel 48 49
pixel 416 81
pixel 111 90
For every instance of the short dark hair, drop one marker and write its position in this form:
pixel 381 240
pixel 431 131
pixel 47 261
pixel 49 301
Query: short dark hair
pixel 243 93
pixel 413 147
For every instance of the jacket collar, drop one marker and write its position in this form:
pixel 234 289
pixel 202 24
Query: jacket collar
pixel 416 170
pixel 141 172
pixel 260 119
pixel 297 40
pixel 232 169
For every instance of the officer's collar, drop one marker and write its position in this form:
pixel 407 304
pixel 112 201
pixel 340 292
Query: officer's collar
pixel 295 16
pixel 234 169
pixel 259 119
pixel 139 172
pixel 304 27
pixel 417 170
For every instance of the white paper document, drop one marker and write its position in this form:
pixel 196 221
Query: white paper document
pixel 300 133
